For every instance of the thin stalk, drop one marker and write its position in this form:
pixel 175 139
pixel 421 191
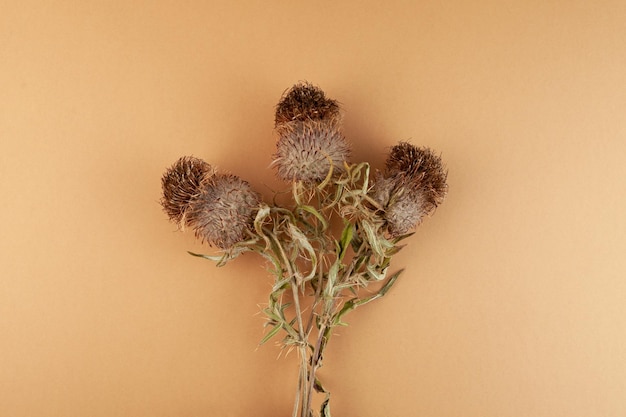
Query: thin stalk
pixel 302 343
pixel 296 403
pixel 320 344
pixel 316 299
pixel 315 359
pixel 301 346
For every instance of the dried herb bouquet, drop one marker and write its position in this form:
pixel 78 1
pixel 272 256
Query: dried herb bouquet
pixel 329 246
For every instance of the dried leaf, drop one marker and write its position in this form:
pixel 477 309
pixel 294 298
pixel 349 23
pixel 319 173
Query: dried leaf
pixel 270 334
pixel 317 214
pixel 301 241
pixel 325 408
pixel 356 302
pixel 346 240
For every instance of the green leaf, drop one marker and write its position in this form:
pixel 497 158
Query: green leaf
pixel 356 302
pixel 269 313
pixel 346 239
pixel 301 240
pixel 378 274
pixel 261 215
pixel 219 259
pixel 328 176
pixel 337 197
pixel 296 190
pixel 271 334
pixel 401 237
pixel 356 242
pixel 372 238
pixel 355 174
pixel 366 178
pixel 278 270
pixel 325 408
pixel 318 386
pixel 317 214
pixel 209 257
pixel 329 288
pixel 347 306
pixel 281 284
pixel 392 280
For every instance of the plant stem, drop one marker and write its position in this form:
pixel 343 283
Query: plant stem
pixel 296 403
pixel 315 361
pixel 302 344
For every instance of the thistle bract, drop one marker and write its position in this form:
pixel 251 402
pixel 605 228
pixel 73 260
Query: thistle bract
pixel 307 151
pixel 223 212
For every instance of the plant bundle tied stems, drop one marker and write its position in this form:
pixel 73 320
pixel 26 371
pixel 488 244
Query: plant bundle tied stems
pixel 329 248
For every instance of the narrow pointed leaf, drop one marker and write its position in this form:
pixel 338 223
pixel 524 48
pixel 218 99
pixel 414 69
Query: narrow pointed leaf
pixel 270 334
pixel 317 214
pixel 346 239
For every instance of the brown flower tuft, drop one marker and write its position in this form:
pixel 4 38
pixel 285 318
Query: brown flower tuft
pixel 181 185
pixel 303 102
pixel 306 151
pixel 413 185
pixel 224 211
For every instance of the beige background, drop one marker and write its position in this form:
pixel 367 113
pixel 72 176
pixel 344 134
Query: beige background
pixel 514 303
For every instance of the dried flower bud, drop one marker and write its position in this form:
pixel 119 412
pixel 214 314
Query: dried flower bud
pixel 224 211
pixel 413 186
pixel 181 184
pixel 306 151
pixel 303 102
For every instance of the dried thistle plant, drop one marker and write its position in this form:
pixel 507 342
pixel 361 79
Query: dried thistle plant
pixel 333 269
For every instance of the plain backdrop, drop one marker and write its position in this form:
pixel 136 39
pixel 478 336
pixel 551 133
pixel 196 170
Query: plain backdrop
pixel 514 299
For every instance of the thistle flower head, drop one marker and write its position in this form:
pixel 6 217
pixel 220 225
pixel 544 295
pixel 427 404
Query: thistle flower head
pixel 307 151
pixel 303 102
pixel 413 185
pixel 181 184
pixel 224 210
pixel 310 142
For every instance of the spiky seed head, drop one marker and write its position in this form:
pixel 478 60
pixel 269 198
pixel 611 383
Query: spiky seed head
pixel 303 102
pixel 413 186
pixel 224 211
pixel 181 183
pixel 306 151
pixel 407 210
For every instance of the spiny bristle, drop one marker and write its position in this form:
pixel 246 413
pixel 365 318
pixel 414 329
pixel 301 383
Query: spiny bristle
pixel 409 160
pixel 181 183
pixel 303 102
pixel 306 151
pixel 224 211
